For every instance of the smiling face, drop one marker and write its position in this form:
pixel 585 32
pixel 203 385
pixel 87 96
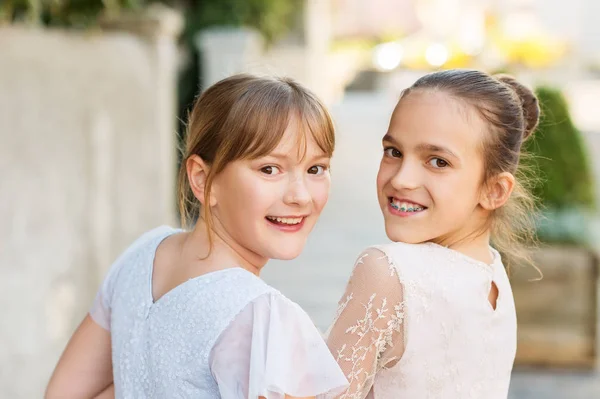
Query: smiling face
pixel 266 207
pixel 430 178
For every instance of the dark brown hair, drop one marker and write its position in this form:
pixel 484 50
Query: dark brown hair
pixel 512 112
pixel 245 117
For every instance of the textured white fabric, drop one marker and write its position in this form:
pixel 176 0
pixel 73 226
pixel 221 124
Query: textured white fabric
pixel 267 345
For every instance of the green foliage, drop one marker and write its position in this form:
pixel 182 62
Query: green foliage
pixel 64 13
pixel 562 174
pixel 270 17
pixel 559 157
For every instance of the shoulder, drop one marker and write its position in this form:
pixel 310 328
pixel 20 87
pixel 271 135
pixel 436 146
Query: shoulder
pixel 405 256
pixel 241 281
pixel 374 258
pixel 155 236
pixel 270 304
pixel 121 270
pixel 264 307
pixel 238 292
pixel 141 248
pixel 272 316
pixel 391 257
pixel 146 243
pixel 273 344
pixel 375 274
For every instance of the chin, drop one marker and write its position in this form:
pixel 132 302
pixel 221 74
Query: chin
pixel 400 234
pixel 285 255
pixel 286 252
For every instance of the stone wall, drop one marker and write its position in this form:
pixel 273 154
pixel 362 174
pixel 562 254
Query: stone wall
pixel 87 158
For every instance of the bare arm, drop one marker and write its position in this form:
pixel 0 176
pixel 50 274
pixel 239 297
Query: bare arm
pixel 85 368
pixel 108 393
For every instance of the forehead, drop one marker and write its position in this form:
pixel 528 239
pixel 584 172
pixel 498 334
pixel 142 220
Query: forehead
pixel 298 142
pixel 437 118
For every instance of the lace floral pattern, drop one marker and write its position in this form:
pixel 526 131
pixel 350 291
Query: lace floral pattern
pixel 415 322
pixel 367 332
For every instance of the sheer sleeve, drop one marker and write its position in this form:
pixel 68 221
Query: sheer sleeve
pixel 271 349
pixel 368 331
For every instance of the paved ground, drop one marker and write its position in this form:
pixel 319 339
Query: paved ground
pixel 352 221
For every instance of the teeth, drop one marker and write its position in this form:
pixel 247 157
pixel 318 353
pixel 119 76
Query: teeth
pixel 285 220
pixel 406 206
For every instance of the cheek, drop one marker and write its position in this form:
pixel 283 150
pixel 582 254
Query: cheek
pixel 320 193
pixel 260 198
pixel 459 192
pixel 384 175
pixel 248 198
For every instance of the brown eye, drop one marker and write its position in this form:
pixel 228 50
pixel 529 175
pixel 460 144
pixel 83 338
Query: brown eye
pixel 316 170
pixel 269 170
pixel 438 163
pixel 392 152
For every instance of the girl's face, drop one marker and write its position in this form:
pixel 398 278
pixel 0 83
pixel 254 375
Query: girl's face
pixel 430 177
pixel 267 207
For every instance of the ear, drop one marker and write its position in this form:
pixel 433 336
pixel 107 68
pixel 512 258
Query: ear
pixel 197 172
pixel 497 191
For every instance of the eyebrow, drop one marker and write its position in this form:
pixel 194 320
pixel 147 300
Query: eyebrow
pixel 423 146
pixel 275 155
pixel 282 156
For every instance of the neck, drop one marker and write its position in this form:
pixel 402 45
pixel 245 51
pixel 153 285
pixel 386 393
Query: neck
pixel 225 252
pixel 475 245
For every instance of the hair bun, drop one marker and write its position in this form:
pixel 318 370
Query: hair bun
pixel 529 103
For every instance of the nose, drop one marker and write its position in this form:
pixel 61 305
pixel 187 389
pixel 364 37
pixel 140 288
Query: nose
pixel 297 192
pixel 407 176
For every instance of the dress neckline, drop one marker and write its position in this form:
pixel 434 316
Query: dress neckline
pixel 455 254
pixel 170 231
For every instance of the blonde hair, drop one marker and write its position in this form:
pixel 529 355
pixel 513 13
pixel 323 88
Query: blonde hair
pixel 245 117
pixel 511 112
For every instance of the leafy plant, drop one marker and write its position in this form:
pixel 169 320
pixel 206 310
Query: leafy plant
pixel 559 156
pixel 564 182
pixel 65 13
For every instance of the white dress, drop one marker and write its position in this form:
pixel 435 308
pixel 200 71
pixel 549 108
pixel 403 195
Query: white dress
pixel 225 334
pixel 415 322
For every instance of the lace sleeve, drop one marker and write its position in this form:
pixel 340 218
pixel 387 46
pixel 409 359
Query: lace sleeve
pixel 368 332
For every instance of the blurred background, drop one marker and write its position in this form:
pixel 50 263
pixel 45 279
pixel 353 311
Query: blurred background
pixel 93 97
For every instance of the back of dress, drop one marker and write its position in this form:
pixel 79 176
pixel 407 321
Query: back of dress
pixel 435 332
pixel 162 349
pixel 221 334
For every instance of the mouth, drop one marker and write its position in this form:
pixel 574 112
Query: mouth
pixel 287 223
pixel 405 207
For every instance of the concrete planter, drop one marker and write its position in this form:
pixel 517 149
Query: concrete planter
pixel 558 315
